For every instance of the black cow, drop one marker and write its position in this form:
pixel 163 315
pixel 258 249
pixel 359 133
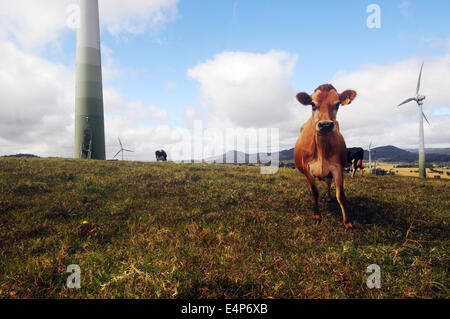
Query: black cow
pixel 161 155
pixel 355 156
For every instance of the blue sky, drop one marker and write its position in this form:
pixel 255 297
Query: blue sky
pixel 329 37
pixel 325 41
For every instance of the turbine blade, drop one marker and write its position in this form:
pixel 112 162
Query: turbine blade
pixel 117 154
pixel 418 82
pixel 120 142
pixel 128 150
pixel 426 118
pixel 408 100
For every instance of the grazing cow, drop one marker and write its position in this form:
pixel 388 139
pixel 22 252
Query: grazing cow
pixel 355 157
pixel 320 151
pixel 161 156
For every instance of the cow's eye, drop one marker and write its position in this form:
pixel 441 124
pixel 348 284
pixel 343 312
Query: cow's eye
pixel 314 107
pixel 336 106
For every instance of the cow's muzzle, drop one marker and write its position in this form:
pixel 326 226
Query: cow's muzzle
pixel 325 127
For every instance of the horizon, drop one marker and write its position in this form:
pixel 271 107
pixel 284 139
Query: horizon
pixel 411 150
pixel 167 64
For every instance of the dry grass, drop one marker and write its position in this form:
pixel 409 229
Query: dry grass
pixel 166 230
pixel 411 172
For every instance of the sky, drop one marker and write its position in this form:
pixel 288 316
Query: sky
pixel 227 63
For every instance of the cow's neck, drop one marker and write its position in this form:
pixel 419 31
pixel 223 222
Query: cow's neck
pixel 323 146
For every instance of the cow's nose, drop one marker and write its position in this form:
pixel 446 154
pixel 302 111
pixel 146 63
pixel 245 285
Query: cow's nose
pixel 326 126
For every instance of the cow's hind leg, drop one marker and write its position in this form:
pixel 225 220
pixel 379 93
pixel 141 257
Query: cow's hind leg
pixel 338 176
pixel 317 218
pixel 355 168
pixel 362 168
pixel 328 195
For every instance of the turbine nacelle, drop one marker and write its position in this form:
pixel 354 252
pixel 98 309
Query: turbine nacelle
pixel 420 98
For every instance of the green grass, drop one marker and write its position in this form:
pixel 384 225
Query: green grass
pixel 407 171
pixel 166 230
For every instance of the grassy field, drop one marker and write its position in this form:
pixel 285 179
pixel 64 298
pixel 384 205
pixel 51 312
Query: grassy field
pixel 413 172
pixel 166 230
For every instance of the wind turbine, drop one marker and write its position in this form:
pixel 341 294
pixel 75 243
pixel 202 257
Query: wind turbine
pixel 375 156
pixel 121 149
pixel 89 114
pixel 419 100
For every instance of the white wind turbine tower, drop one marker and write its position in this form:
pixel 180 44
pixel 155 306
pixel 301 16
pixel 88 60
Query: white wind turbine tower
pixel 121 150
pixel 419 100
pixel 370 157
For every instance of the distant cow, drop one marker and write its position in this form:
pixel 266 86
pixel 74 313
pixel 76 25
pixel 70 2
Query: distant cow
pixel 320 151
pixel 355 157
pixel 161 155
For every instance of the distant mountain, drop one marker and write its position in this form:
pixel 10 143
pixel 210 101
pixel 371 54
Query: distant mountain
pixel 445 151
pixel 388 153
pixel 287 155
pixel 394 154
pixel 21 155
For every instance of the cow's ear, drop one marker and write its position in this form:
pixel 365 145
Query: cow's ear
pixel 304 98
pixel 347 97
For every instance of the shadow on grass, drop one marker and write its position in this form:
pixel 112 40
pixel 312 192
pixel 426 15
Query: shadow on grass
pixel 366 211
pixel 219 287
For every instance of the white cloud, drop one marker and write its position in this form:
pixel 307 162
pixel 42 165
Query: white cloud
pixel 133 111
pixel 374 114
pixel 37 102
pixel 241 89
pixel 136 16
pixel 37 111
pixel 191 114
pixel 143 140
pixel 34 24
pixel 140 127
pixel 110 69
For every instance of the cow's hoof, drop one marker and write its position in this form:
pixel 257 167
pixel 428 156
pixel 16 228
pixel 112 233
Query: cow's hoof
pixel 317 219
pixel 349 226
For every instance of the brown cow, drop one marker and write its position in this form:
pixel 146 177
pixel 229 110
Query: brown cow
pixel 320 151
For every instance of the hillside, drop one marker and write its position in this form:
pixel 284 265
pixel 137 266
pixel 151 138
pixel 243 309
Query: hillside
pixel 391 153
pixel 166 230
pixel 445 151
pixel 394 154
pixel 386 153
pixel 21 155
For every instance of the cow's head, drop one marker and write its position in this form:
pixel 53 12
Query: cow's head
pixel 325 102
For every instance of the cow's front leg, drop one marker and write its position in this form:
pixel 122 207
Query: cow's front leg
pixel 338 176
pixel 317 218
pixel 328 195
